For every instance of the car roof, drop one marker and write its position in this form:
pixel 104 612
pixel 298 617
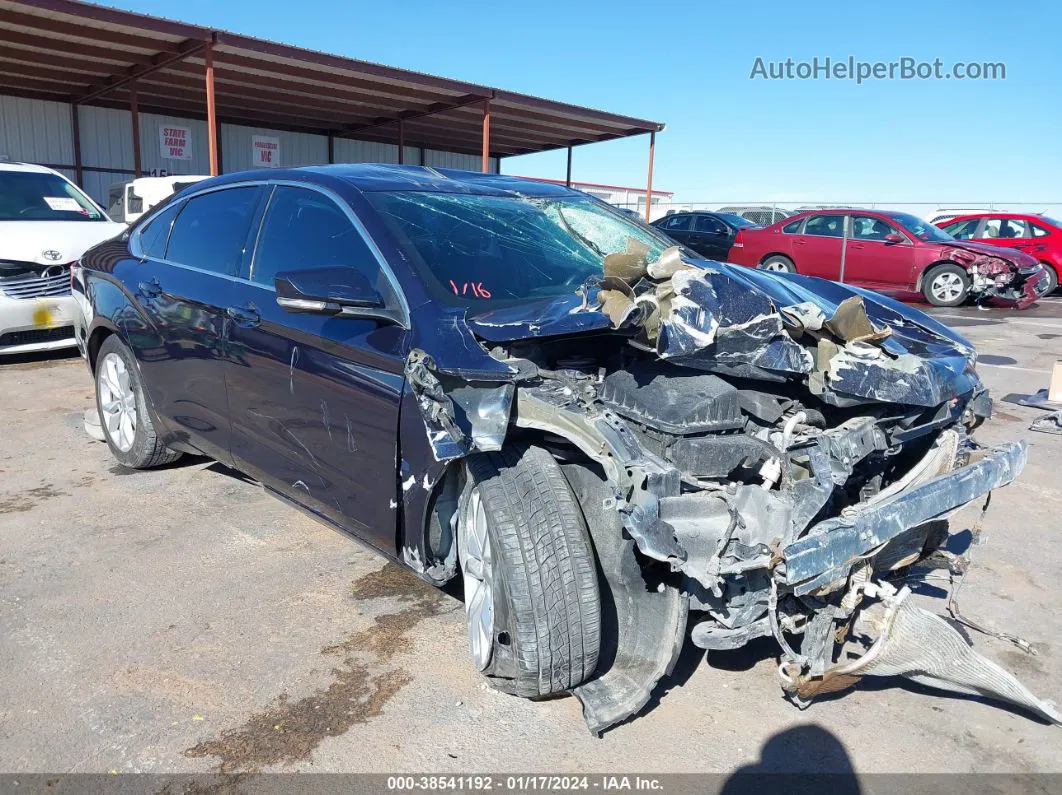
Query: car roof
pixel 13 165
pixel 384 177
pixel 836 211
pixel 992 214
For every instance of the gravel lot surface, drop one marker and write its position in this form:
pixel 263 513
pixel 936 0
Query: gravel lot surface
pixel 182 620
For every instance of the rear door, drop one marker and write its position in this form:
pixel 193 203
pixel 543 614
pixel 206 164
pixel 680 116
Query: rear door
pixel 191 253
pixel 817 249
pixel 871 260
pixel 314 398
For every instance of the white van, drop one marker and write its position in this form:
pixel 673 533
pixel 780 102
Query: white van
pixel 127 201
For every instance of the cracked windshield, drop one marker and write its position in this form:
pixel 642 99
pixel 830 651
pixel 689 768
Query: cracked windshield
pixel 496 249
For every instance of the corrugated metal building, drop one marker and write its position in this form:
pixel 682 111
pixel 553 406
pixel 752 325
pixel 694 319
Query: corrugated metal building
pixel 104 95
pixel 41 131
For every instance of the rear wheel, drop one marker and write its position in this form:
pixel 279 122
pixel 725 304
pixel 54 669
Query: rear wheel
pixel 531 591
pixel 123 410
pixel 778 264
pixel 946 285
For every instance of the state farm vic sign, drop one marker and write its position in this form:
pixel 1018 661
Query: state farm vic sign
pixel 175 143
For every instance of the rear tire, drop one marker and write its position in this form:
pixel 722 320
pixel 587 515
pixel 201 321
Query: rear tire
pixel 778 263
pixel 946 285
pixel 531 587
pixel 123 410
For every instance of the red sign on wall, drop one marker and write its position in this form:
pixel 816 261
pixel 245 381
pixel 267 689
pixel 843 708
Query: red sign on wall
pixel 265 151
pixel 175 143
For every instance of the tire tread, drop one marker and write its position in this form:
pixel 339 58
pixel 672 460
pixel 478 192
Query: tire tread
pixel 549 572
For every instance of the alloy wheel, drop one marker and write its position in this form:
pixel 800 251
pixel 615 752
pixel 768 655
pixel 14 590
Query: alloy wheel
pixel 946 287
pixel 117 401
pixel 477 570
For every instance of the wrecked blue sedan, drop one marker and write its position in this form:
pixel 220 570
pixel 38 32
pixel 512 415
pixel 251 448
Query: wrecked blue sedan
pixel 600 435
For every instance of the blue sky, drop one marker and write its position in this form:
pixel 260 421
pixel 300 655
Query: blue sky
pixel 729 138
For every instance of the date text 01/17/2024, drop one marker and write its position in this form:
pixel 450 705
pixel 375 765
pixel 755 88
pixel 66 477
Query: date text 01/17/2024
pixel 518 783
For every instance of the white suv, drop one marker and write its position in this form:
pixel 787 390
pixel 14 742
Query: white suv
pixel 46 224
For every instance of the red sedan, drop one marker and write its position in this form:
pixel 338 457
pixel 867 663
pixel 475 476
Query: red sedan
pixel 893 253
pixel 1036 235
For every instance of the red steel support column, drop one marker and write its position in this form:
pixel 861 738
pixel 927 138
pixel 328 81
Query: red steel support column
pixel 212 119
pixel 134 113
pixel 401 142
pixel 649 187
pixel 486 137
pixel 76 128
pixel 568 178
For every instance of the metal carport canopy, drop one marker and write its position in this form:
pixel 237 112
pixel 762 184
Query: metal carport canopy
pixel 88 54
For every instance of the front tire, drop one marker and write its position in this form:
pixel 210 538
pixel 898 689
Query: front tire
pixel 946 285
pixel 123 411
pixel 530 576
pixel 778 263
pixel 1052 278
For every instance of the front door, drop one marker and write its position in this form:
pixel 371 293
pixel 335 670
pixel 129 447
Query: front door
pixel 678 227
pixel 710 237
pixel 314 398
pixel 191 253
pixel 817 251
pixel 874 262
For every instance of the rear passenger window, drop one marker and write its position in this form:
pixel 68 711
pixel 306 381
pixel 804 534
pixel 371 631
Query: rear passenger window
pixel 304 229
pixel 793 227
pixel 677 223
pixel 155 235
pixel 211 231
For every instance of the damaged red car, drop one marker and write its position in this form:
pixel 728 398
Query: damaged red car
pixel 509 385
pixel 894 253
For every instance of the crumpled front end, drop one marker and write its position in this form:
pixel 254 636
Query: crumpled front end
pixel 999 279
pixel 772 453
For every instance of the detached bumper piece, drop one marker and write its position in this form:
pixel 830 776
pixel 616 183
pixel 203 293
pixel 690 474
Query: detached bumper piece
pixel 910 642
pixel 924 648
pixel 827 553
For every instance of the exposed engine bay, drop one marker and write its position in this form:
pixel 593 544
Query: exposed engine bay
pixel 779 452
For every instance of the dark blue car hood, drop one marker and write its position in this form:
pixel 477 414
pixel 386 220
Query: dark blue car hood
pixel 917 360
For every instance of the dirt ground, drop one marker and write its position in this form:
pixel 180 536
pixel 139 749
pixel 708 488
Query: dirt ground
pixel 182 620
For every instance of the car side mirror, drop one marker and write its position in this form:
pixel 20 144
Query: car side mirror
pixel 328 291
pixel 893 238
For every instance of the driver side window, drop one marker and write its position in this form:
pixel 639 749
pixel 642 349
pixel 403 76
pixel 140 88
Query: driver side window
pixel 705 223
pixel 963 230
pixel 866 227
pixel 304 229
